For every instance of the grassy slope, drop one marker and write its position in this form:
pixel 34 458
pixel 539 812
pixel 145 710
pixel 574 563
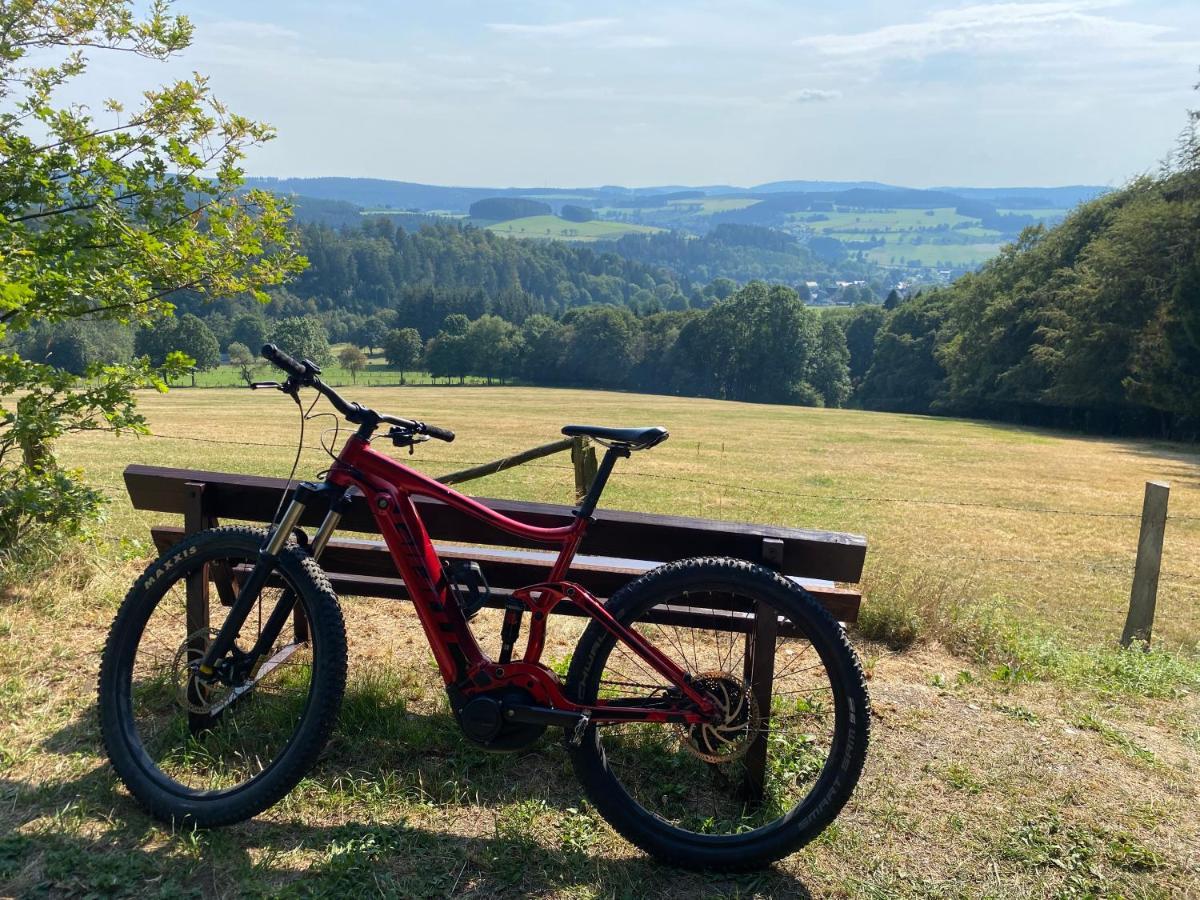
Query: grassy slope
pixel 710 205
pixel 783 465
pixel 980 781
pixel 900 227
pixel 554 227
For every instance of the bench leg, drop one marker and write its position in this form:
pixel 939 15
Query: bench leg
pixel 299 623
pixel 759 673
pixel 197 615
pixel 225 582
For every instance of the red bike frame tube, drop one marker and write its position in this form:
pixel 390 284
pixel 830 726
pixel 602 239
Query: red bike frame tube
pixel 389 487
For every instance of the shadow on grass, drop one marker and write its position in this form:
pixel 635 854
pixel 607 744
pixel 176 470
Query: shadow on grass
pixel 345 831
pixel 101 844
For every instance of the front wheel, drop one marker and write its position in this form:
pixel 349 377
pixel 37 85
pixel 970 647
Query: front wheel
pixel 207 752
pixel 769 776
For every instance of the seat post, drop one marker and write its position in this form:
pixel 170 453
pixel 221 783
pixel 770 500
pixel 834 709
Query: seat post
pixel 588 506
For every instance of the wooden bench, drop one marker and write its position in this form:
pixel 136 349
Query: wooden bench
pixel 610 555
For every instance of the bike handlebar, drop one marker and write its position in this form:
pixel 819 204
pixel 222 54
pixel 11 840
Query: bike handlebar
pixel 305 374
pixel 281 359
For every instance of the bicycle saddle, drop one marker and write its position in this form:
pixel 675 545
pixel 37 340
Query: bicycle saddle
pixel 628 438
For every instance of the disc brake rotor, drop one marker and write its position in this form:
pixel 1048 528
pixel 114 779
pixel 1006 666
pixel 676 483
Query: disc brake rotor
pixel 729 738
pixel 191 693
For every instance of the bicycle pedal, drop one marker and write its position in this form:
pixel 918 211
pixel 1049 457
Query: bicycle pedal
pixel 468 585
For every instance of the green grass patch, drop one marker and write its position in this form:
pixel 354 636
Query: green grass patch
pixel 1015 651
pixel 554 228
pixel 1116 738
pixel 710 205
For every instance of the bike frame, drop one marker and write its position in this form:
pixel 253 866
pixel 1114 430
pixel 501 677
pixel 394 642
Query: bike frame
pixel 389 488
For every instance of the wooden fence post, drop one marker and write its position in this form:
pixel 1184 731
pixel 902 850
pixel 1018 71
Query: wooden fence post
pixel 1144 594
pixel 583 459
pixel 759 674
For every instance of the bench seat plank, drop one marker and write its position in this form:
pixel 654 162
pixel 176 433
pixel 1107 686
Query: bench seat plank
pixel 358 567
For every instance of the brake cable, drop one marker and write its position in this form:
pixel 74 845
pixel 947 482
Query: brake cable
pixel 287 488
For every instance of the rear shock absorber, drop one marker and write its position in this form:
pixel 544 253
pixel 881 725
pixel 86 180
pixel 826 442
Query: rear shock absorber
pixel 514 609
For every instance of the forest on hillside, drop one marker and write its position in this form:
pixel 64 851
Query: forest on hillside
pixel 1093 324
pixel 740 252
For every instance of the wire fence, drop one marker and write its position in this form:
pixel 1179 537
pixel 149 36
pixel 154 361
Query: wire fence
pixel 797 495
pixel 1183 594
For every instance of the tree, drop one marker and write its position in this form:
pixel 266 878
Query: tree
pixel 905 375
pixel 303 337
pixel 861 329
pixel 194 339
pixel 831 365
pixel 456 324
pixel 76 345
pixel 446 356
pixel 187 335
pixel 245 359
pixel 573 213
pixel 542 345
pixel 402 348
pixel 759 345
pixel 601 345
pixel 249 329
pixel 374 329
pixel 353 361
pixel 109 218
pixel 493 347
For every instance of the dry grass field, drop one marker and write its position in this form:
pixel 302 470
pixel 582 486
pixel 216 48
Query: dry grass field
pixel 1042 523
pixel 1014 754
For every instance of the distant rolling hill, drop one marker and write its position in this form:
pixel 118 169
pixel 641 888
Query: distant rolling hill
pixel 941 231
pixel 1066 197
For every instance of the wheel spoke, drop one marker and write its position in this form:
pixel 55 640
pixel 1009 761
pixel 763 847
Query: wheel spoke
pixel 216 738
pixel 693 777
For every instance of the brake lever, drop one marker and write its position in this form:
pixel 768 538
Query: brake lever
pixel 291 387
pixel 403 437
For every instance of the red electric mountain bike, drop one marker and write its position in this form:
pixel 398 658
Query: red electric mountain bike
pixel 211 726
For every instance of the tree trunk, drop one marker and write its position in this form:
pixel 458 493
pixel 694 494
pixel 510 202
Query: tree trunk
pixel 35 453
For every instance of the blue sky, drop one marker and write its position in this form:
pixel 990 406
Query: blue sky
pixel 917 92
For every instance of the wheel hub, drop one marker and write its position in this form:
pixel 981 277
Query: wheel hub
pixel 735 725
pixel 193 692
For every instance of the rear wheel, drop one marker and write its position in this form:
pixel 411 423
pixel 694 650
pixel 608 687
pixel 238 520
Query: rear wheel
pixel 214 753
pixel 701 796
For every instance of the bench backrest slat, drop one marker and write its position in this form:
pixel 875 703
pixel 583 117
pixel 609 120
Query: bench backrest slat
pixel 812 554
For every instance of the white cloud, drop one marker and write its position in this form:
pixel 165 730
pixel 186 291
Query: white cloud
pixel 997 28
pixel 575 28
pixel 240 30
pixel 580 29
pixel 812 95
pixel 637 42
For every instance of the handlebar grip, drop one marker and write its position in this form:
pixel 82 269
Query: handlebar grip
pixel 273 354
pixel 442 434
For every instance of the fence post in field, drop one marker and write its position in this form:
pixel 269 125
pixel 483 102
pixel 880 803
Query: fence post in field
pixel 1140 621
pixel 583 459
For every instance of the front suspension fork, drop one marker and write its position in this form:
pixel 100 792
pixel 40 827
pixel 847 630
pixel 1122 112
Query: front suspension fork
pixel 268 556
